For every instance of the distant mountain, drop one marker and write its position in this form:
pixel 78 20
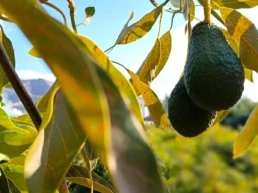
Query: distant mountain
pixel 35 87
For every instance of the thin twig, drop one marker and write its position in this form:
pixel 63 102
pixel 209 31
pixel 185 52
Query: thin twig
pixel 56 8
pixel 72 13
pixel 19 88
pixel 120 64
pixel 5 18
pixel 164 8
pixel 86 159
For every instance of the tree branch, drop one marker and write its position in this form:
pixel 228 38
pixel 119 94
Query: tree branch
pixel 19 88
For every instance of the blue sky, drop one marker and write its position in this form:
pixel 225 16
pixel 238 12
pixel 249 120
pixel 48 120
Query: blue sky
pixel 104 28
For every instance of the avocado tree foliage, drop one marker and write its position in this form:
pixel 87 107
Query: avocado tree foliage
pixel 93 103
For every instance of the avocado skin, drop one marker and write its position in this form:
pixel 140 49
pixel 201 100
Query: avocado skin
pixel 186 118
pixel 213 74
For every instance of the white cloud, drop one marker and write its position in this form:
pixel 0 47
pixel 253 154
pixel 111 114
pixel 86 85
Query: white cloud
pixel 29 74
pixel 169 76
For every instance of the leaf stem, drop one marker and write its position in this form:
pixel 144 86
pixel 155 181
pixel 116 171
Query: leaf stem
pixel 160 22
pixel 19 88
pixel 86 159
pixel 72 14
pixel 153 2
pixel 56 8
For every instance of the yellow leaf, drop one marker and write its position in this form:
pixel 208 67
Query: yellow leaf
pixel 220 116
pixel 152 101
pixel 248 134
pixel 246 35
pixel 147 70
pixel 235 4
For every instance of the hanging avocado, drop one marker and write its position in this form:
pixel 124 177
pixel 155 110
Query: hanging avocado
pixel 213 74
pixel 186 118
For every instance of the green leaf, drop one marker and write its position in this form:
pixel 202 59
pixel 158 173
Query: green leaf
pixel 248 134
pixel 4 186
pixel 80 175
pixel 148 68
pixel 245 34
pixel 118 78
pixel 14 170
pixel 47 99
pixel 49 162
pixel 131 161
pixel 140 28
pixel 89 11
pixel 152 101
pixel 61 48
pixel 14 139
pixel 235 4
pixel 9 50
pixel 220 116
pixel 166 44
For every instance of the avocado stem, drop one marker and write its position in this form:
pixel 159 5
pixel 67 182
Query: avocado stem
pixel 207 11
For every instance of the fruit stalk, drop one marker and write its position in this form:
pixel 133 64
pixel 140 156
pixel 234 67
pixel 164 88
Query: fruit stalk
pixel 207 10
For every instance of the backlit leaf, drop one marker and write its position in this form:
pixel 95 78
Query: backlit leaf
pixel 248 134
pixel 89 11
pixel 49 162
pixel 14 139
pixel 61 49
pixel 80 175
pixel 248 74
pixel 9 50
pixel 118 78
pixel 234 4
pixel 220 116
pixel 131 161
pixel 140 28
pixel 147 70
pixel 152 101
pixel 34 52
pixel 245 34
pixel 4 185
pixel 231 41
pixel 166 44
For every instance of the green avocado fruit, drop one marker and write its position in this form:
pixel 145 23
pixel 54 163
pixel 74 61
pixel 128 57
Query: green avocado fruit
pixel 187 119
pixel 213 74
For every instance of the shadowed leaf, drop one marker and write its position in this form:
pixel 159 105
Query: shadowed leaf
pixel 152 101
pixel 248 134
pixel 4 185
pixel 245 34
pixel 139 29
pixel 166 43
pixel 13 188
pixel 131 161
pixel 147 70
pixel 47 163
pixel 118 78
pixel 9 49
pixel 80 175
pixel 89 11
